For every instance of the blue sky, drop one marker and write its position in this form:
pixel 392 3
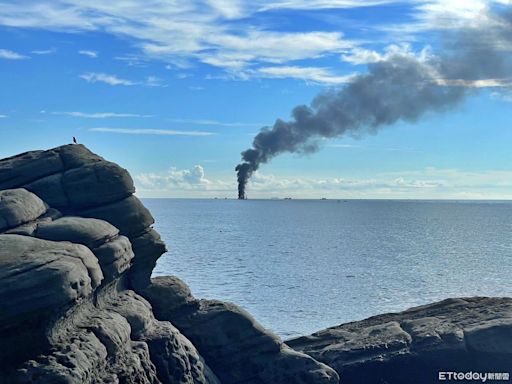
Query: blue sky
pixel 175 90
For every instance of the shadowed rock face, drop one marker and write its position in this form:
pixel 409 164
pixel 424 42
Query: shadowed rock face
pixel 76 250
pixel 67 313
pixel 472 334
pixel 224 333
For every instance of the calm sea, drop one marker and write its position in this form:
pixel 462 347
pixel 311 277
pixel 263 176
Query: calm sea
pixel 302 265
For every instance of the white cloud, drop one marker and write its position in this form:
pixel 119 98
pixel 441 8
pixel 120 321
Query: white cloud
pixel 149 131
pixel 3 116
pixel 481 83
pixel 312 74
pixel 44 51
pixel 180 31
pixel 94 77
pixel 11 55
pixel 323 4
pixel 445 14
pixel 193 179
pixel 153 81
pixel 98 115
pixel 92 54
pixel 360 55
pixel 98 77
pixel 428 183
pixel 236 51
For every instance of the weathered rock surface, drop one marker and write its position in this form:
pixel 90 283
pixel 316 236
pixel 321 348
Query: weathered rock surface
pixel 471 334
pixel 18 206
pixel 77 182
pixel 224 334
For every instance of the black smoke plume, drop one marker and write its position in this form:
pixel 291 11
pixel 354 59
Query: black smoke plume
pixel 403 86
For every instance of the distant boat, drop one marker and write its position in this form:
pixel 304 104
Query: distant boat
pixel 323 198
pixel 287 198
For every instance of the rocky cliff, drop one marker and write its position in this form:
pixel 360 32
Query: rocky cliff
pixel 78 305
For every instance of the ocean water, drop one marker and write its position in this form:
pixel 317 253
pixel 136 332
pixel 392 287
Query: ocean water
pixel 299 266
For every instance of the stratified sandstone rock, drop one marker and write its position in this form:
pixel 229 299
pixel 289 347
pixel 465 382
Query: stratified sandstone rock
pixel 18 206
pixel 39 280
pixel 77 182
pixel 67 316
pixel 473 334
pixel 89 232
pixel 27 167
pixel 235 346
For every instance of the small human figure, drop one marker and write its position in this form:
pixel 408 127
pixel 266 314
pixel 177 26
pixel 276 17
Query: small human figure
pixel 74 140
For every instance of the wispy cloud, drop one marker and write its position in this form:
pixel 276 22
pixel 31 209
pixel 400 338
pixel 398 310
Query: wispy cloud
pixel 3 116
pixel 98 115
pixel 481 83
pixel 44 51
pixel 183 31
pixel 312 74
pixel 99 77
pixel 11 55
pixel 147 131
pixel 153 81
pixel 85 52
pixel 322 4
pixel 95 77
pixel 215 123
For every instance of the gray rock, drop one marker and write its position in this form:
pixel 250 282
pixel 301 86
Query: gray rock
pixel 233 344
pixel 86 231
pixel 114 257
pixel 39 281
pixel 96 183
pixel 74 156
pixel 148 247
pixel 472 334
pixel 169 294
pixel 128 215
pixel 175 358
pixel 18 206
pixel 51 189
pixel 38 275
pixel 24 168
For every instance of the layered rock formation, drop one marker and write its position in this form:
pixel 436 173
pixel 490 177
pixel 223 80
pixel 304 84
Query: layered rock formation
pixel 76 254
pixel 454 335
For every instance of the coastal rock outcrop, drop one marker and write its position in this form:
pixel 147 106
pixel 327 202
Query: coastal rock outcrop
pixel 223 333
pixel 454 335
pixel 76 255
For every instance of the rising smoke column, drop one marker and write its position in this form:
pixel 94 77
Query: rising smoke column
pixel 402 86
